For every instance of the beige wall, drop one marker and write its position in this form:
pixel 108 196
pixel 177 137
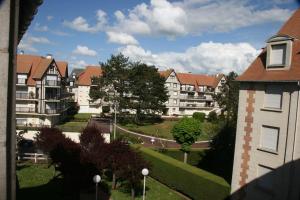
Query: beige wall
pixel 286 120
pixel 83 101
pixel 173 107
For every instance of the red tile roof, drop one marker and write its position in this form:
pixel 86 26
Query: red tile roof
pixel 63 68
pixel 166 73
pixel 257 70
pixel 84 78
pixel 36 66
pixel 197 79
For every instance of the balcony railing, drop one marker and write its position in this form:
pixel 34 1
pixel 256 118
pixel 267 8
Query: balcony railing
pixel 25 110
pixel 52 111
pixel 187 97
pixel 23 95
pixel 52 83
pixel 52 97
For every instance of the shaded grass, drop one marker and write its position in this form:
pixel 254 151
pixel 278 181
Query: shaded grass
pixel 194 157
pixel 36 182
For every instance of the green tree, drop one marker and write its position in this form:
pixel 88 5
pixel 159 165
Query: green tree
pixel 147 89
pixel 186 133
pixel 212 116
pixel 113 83
pixel 228 98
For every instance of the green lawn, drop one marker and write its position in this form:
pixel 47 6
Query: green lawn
pixel 164 128
pixel 154 191
pixel 82 117
pixel 36 183
pixel 72 126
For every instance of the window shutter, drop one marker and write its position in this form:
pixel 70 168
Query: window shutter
pixel 273 96
pixel 278 54
pixel 269 138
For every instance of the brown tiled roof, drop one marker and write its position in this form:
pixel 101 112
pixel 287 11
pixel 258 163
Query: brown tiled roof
pixel 166 73
pixel 35 66
pixel 292 26
pixel 257 70
pixel 198 80
pixel 84 78
pixel 63 68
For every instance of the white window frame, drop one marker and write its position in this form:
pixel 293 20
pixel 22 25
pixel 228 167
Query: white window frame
pixel 175 93
pixel 174 85
pixel 175 101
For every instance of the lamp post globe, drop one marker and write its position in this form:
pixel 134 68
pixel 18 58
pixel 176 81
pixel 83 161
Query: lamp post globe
pixel 145 172
pixel 96 178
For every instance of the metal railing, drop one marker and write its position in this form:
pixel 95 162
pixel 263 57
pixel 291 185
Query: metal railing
pixel 52 111
pixel 23 95
pixel 25 110
pixel 52 83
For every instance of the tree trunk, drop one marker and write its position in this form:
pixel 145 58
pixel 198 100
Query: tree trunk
pixel 132 193
pixel 113 181
pixel 185 155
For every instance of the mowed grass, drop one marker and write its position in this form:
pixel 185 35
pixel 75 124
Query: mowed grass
pixel 164 128
pixel 36 182
pixel 72 126
pixel 154 191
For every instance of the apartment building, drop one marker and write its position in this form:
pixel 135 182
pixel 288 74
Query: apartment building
pixel 41 96
pixel 82 82
pixel 189 93
pixel 267 150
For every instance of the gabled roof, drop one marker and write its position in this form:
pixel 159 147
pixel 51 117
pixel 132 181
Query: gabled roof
pixel 84 78
pixel 36 66
pixel 257 70
pixel 63 68
pixel 166 73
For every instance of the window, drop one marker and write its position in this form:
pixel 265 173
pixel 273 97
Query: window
pixel 172 76
pixel 269 138
pixel 174 101
pixel 174 85
pixel 278 54
pixel 273 95
pixel 265 177
pixel 168 84
pixel 175 93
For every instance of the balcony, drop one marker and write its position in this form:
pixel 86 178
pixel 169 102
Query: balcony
pixel 23 95
pixel 188 89
pixel 194 105
pixel 52 83
pixel 52 111
pixel 199 98
pixel 52 97
pixel 25 110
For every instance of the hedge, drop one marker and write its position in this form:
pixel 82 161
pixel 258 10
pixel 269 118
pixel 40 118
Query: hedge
pixel 191 181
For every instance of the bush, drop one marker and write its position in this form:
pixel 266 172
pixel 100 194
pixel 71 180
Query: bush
pixel 105 109
pixel 199 116
pixel 193 182
pixel 212 116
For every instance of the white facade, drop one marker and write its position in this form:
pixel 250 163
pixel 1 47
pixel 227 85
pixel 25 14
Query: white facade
pixel 84 102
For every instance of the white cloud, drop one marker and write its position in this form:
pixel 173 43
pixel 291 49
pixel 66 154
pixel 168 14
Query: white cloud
pixel 49 17
pixel 207 57
pixel 177 18
pixel 84 50
pixel 121 38
pixel 28 43
pixel 60 33
pixel 40 28
pixel 81 24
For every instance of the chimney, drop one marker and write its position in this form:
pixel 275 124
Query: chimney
pixel 49 56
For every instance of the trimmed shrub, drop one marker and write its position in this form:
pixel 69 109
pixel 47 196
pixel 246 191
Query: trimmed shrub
pixel 105 109
pixel 199 116
pixel 212 116
pixel 191 181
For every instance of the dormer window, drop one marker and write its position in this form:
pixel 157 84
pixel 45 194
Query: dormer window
pixel 279 51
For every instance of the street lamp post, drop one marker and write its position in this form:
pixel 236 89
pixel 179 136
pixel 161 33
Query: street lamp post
pixel 115 121
pixel 145 173
pixel 96 180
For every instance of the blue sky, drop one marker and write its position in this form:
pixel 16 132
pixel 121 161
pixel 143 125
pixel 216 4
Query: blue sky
pixel 202 36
